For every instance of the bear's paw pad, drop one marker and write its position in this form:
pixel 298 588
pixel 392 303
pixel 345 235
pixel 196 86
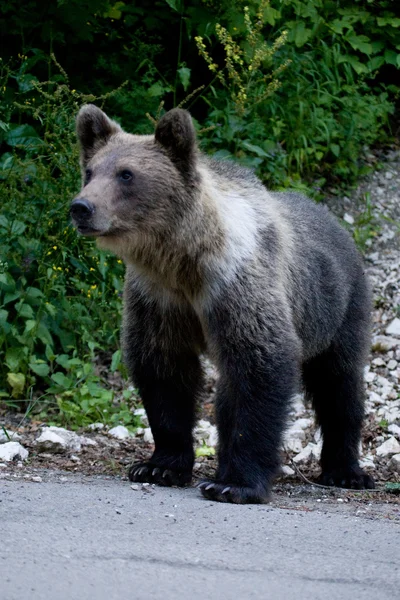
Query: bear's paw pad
pixel 146 472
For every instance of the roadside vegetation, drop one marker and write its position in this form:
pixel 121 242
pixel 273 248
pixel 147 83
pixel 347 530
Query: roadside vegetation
pixel 298 90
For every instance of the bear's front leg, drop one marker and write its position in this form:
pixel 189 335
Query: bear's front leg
pixel 159 348
pixel 257 355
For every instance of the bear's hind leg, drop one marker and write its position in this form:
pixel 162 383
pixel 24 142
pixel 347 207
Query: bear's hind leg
pixel 334 383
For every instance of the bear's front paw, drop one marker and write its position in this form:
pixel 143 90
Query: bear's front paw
pixel 147 472
pixel 230 492
pixel 351 478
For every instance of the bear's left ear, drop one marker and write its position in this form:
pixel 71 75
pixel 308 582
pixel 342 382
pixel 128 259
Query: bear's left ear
pixel 176 133
pixel 94 129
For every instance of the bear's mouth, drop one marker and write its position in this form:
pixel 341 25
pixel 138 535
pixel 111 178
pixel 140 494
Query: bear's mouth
pixel 87 230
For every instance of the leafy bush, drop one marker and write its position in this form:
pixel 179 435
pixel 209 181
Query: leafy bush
pixel 59 297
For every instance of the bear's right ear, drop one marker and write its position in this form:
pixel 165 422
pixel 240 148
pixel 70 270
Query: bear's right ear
pixel 94 129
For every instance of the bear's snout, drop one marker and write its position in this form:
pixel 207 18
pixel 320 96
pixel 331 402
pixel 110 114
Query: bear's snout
pixel 81 209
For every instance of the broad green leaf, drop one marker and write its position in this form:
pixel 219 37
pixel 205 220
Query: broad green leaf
pixel 11 296
pixel 184 76
pixel 25 310
pixel 26 82
pixel 15 358
pixel 22 135
pixel 17 228
pixel 41 369
pixel 360 42
pixel 255 149
pixel 335 149
pixel 384 21
pixel 391 57
pixel 61 380
pixel 17 383
pixel 44 334
pixel 115 11
pixel 3 221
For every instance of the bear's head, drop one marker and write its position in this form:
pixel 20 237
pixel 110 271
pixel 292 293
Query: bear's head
pixel 136 189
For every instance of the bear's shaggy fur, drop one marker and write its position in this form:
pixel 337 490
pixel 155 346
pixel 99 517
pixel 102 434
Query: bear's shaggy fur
pixel 268 284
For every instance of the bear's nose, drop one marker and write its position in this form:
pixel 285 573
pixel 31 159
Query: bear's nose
pixel 81 209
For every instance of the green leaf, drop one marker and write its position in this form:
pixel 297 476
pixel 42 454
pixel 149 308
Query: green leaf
pixel 15 358
pixel 358 66
pixel 3 221
pixel 17 227
pixel 384 21
pixel 115 11
pixel 41 369
pixel 376 63
pixel 26 82
pixel 175 5
pixel 301 34
pixel 23 135
pixel 17 383
pixel 25 310
pixel 391 57
pixel 255 149
pixel 205 451
pixel 360 42
pixel 44 334
pixel 115 361
pixel 61 380
pixel 156 90
pixel 10 296
pixel 184 76
pixel 335 149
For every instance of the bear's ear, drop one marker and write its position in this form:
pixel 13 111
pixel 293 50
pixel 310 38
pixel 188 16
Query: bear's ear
pixel 176 133
pixel 94 129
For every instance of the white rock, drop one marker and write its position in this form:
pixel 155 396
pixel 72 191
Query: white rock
pixel 393 328
pixel 395 429
pixel 205 433
pixel 286 470
pixel 58 440
pixel 120 432
pixel 96 426
pixel 391 446
pixel 348 218
pixel 389 175
pixel 378 362
pixel 376 398
pixel 140 412
pixel 148 436
pixel 367 462
pixel 369 377
pixel 392 364
pixel 8 436
pixel 85 441
pixel 310 452
pixel 13 450
pixel 394 463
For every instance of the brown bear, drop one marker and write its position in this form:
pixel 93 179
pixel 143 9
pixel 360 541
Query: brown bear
pixel 268 284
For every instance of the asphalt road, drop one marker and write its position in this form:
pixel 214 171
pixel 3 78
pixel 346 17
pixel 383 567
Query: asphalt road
pixel 98 539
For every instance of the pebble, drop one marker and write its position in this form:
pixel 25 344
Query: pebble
pixel 394 463
pixel 390 446
pixel 120 432
pixel 8 436
pixel 393 328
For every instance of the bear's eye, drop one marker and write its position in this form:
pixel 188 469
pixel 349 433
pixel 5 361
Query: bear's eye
pixel 88 176
pixel 126 175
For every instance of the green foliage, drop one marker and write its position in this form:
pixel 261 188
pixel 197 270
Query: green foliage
pixel 59 297
pixel 301 113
